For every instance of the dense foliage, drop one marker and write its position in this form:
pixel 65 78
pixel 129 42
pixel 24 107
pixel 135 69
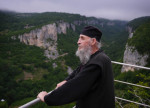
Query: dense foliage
pixel 17 21
pixel 141 38
pixel 17 61
pixel 138 22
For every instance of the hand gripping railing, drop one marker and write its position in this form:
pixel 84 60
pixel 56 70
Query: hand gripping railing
pixel 32 102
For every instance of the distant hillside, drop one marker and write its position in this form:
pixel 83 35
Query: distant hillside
pixel 141 35
pixel 17 21
pixel 138 22
pixel 24 68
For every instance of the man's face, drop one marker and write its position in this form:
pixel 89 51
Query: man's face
pixel 84 49
pixel 83 42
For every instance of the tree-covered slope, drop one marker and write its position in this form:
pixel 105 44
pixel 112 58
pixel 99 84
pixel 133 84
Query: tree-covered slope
pixel 135 23
pixel 17 21
pixel 141 36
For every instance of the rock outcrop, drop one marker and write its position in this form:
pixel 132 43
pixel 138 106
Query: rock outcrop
pixel 46 37
pixel 132 56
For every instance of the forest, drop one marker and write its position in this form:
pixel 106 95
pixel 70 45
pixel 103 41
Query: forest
pixel 25 71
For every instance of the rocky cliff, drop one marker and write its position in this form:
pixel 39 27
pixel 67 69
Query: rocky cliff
pixel 46 37
pixel 132 56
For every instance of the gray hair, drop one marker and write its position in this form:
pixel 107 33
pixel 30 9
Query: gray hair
pixel 98 44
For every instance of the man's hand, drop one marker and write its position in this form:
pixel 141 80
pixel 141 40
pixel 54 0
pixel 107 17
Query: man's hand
pixel 41 95
pixel 60 84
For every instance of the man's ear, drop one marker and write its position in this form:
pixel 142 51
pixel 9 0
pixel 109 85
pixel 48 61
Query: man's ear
pixel 93 41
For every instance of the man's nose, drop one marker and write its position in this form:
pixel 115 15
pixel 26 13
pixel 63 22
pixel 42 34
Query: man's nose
pixel 78 42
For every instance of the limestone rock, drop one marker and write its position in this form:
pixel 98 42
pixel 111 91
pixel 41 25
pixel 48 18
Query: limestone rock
pixel 132 56
pixel 46 37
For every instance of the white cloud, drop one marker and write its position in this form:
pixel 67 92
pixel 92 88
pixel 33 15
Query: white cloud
pixel 112 9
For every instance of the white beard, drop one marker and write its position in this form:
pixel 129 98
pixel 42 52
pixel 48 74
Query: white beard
pixel 84 54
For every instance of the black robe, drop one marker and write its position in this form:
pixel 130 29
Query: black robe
pixel 91 85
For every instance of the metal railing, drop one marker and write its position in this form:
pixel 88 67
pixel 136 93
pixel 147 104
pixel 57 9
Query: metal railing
pixel 125 64
pixel 132 102
pixel 32 102
pixel 132 84
pixel 142 67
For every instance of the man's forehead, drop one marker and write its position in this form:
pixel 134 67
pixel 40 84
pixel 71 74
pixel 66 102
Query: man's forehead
pixel 81 35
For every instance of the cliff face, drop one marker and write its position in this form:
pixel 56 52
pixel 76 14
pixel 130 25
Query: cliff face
pixel 46 37
pixel 132 56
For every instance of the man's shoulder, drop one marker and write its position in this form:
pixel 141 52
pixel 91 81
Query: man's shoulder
pixel 100 58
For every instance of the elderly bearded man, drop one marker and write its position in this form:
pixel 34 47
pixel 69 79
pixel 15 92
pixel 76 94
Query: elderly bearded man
pixel 91 84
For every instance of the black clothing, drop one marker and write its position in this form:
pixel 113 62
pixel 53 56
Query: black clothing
pixel 90 85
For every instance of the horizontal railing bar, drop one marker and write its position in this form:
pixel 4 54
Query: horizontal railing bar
pixel 32 102
pixel 132 101
pixel 142 67
pixel 132 84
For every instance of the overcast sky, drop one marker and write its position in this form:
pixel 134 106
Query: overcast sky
pixel 110 9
